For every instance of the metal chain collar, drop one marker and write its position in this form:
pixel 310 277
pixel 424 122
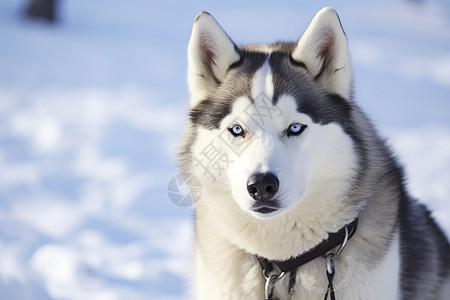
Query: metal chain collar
pixel 272 279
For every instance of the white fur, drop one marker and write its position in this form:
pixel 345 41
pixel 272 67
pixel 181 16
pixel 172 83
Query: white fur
pixel 354 278
pixel 262 82
pixel 383 281
pixel 444 292
pixel 321 162
pixel 232 273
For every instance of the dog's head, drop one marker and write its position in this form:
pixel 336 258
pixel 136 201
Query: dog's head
pixel 269 124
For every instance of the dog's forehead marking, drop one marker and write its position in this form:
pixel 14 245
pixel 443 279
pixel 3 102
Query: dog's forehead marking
pixel 262 84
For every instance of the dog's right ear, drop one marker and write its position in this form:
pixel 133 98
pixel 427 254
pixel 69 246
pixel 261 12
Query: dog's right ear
pixel 210 54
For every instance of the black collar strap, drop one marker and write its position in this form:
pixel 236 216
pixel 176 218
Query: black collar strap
pixel 334 240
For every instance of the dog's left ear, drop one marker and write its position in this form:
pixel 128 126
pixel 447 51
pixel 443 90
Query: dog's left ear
pixel 210 53
pixel 323 51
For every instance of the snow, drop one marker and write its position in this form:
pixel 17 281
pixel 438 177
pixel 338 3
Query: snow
pixel 91 111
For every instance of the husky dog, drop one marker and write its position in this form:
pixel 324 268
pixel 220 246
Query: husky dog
pixel 288 165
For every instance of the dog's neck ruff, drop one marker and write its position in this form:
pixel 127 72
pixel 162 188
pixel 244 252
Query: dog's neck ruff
pixel 334 240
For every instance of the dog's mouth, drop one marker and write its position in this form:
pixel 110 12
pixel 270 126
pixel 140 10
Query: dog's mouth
pixel 265 208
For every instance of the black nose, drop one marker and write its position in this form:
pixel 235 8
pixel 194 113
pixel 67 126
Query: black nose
pixel 263 186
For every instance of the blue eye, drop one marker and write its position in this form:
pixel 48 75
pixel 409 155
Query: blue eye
pixel 236 130
pixel 295 129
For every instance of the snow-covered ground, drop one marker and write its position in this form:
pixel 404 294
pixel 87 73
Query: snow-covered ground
pixel 91 111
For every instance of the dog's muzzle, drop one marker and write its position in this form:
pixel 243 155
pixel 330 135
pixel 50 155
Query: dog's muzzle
pixel 263 187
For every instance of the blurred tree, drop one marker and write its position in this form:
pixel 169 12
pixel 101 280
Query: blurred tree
pixel 42 9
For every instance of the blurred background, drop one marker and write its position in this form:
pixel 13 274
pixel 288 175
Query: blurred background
pixel 92 103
